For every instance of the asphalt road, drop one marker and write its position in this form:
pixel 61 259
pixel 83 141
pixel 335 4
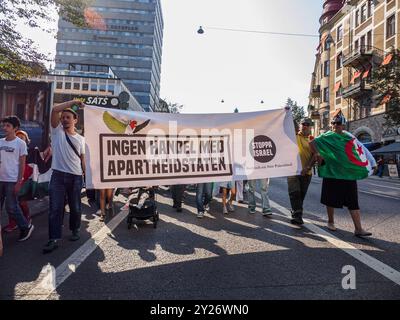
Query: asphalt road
pixel 233 257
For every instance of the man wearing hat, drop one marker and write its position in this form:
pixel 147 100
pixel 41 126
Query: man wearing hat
pixel 68 166
pixel 298 185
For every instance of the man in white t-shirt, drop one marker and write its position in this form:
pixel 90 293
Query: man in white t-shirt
pixel 68 166
pixel 13 152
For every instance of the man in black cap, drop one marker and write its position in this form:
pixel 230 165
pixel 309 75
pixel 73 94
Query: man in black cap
pixel 68 166
pixel 298 185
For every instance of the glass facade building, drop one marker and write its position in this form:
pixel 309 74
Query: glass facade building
pixel 125 35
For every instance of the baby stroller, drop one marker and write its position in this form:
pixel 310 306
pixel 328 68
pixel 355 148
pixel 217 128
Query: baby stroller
pixel 142 206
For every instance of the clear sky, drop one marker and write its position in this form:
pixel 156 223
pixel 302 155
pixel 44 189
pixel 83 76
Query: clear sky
pixel 199 71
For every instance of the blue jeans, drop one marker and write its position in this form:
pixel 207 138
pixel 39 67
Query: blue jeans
pixel 264 184
pixel 203 195
pixel 12 207
pixel 64 184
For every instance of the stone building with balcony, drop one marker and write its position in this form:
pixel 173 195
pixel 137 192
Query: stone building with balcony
pixel 356 36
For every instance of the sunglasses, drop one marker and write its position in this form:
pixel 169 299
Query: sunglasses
pixel 306 124
pixel 336 123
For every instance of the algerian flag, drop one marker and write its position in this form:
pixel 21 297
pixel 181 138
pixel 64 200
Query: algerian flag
pixel 345 157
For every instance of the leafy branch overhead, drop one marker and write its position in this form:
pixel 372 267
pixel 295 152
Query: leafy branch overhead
pixel 297 111
pixel 386 85
pixel 19 58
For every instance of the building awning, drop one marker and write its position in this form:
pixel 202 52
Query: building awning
pixel 355 76
pixel 366 73
pixel 387 59
pixel 337 86
pixel 386 99
pixel 390 148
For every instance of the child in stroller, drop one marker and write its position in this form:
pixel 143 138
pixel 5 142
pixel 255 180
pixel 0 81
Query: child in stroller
pixel 142 206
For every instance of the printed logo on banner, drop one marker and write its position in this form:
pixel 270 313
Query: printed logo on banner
pixel 148 157
pixel 262 149
pixel 121 126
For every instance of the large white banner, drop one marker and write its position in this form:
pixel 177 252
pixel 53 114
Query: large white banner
pixel 129 149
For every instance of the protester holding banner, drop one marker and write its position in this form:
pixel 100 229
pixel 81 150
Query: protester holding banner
pixel 203 198
pixel 239 191
pixel 343 160
pixel 264 185
pixel 177 192
pixel 68 169
pixel 13 152
pixel 298 185
pixel 228 187
pixel 106 195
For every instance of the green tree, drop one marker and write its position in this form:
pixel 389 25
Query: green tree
pixel 386 85
pixel 297 111
pixel 175 107
pixel 19 58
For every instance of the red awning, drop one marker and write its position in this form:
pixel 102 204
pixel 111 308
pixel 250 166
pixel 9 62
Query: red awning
pixel 337 86
pixel 355 76
pixel 386 98
pixel 387 59
pixel 366 73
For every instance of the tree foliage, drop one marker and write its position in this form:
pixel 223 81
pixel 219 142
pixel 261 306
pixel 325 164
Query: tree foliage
pixel 19 58
pixel 386 85
pixel 297 111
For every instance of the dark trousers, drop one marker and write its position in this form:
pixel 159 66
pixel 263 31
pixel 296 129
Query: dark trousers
pixel 203 195
pixel 297 187
pixel 62 184
pixel 177 194
pixel 13 209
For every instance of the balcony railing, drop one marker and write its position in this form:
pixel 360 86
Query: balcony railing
pixel 316 92
pixel 356 90
pixel 358 56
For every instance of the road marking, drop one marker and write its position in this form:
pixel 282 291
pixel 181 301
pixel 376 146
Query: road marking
pixel 69 266
pixel 385 270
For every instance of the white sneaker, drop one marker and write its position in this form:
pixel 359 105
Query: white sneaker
pixel 331 226
pixel 224 210
pixel 200 215
pixel 207 208
pixel 230 207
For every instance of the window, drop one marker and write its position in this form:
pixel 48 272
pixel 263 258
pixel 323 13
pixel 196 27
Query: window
pixel 77 86
pixel 85 86
pixel 326 94
pixel 339 61
pixel 369 40
pixel 370 9
pixel 93 87
pixel 390 26
pixel 363 13
pixel 339 92
pixel 356 45
pixel 339 33
pixel 21 111
pixel 357 18
pixel 68 86
pixel 59 85
pixel 326 68
pixel 111 88
pixel 102 87
pixel 362 43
